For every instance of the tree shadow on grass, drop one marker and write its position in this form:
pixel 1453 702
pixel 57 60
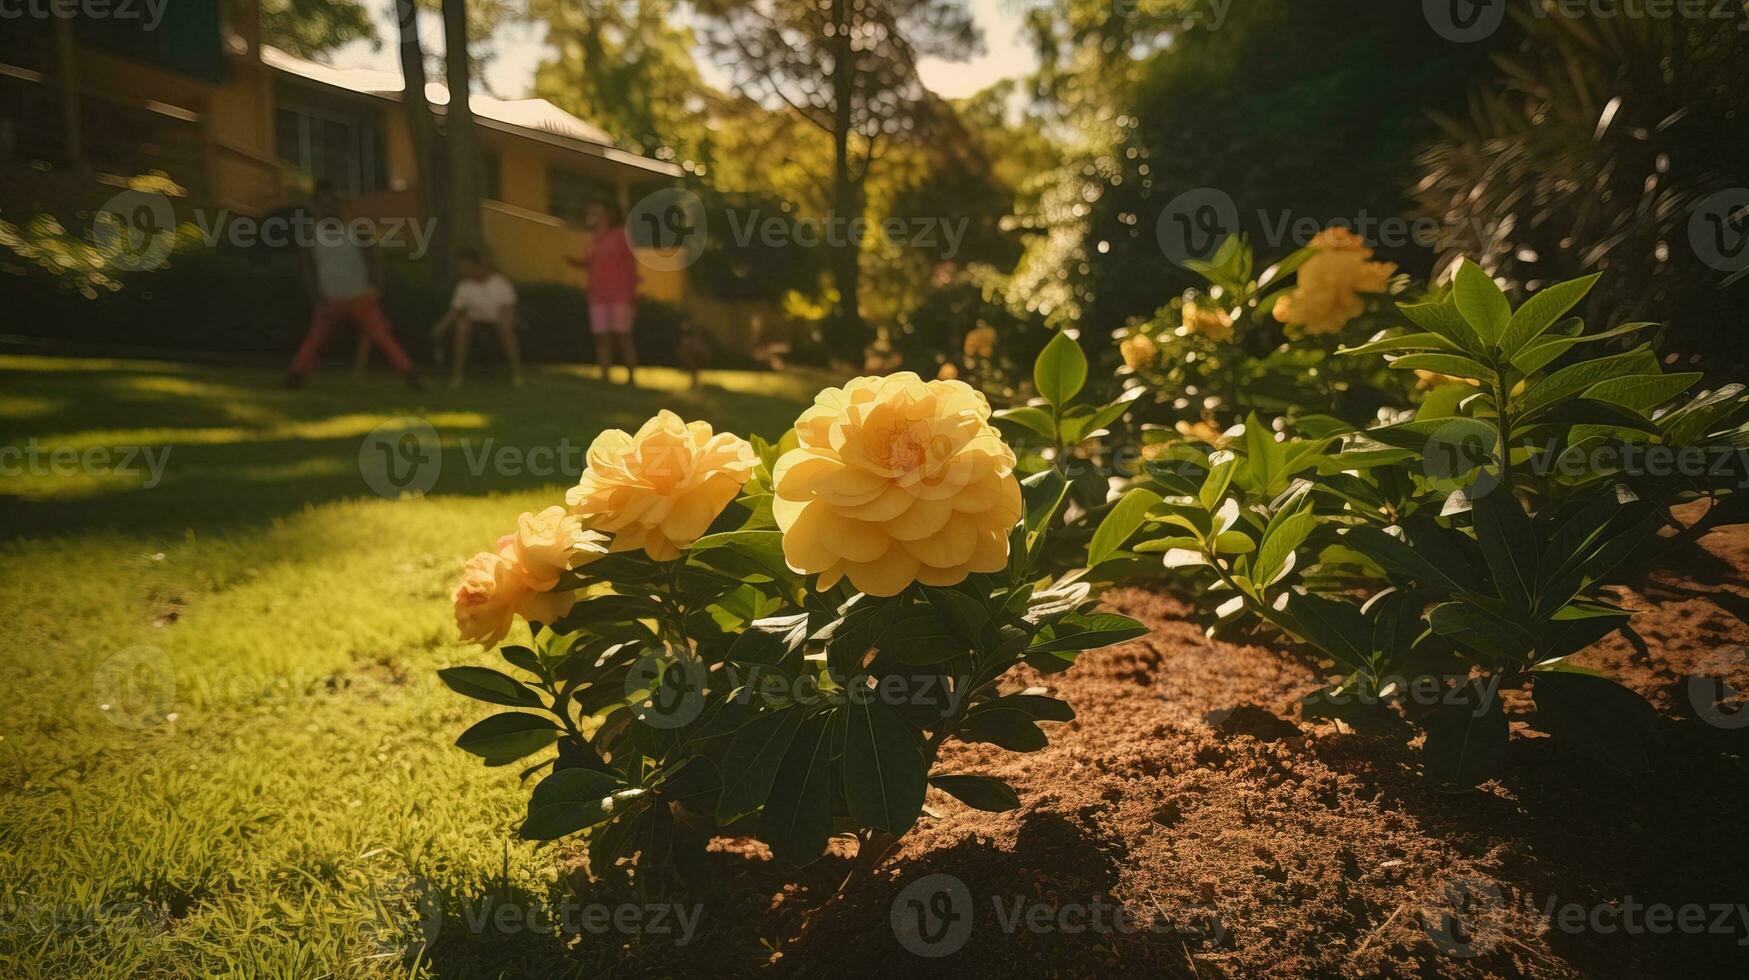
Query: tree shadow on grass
pixel 236 450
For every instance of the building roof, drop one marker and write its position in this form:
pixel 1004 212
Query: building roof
pixel 534 118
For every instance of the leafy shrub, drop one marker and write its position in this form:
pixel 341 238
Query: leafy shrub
pixel 716 646
pixel 1473 546
pixel 1257 341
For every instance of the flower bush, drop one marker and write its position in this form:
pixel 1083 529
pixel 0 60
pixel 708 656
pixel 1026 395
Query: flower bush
pixel 734 636
pixel 1466 546
pixel 1266 342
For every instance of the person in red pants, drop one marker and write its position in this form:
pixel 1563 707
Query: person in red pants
pixel 342 277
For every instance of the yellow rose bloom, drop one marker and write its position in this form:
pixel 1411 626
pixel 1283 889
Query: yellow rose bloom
pixel 1327 293
pixel 1210 321
pixel 493 592
pixel 660 489
pixel 1139 351
pixel 896 480
pixel 549 544
pixel 981 342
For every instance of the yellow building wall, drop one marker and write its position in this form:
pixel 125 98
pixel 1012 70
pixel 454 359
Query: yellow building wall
pixel 532 247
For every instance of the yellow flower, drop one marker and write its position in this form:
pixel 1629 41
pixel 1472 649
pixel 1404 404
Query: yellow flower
pixel 896 480
pixel 947 371
pixel 1210 321
pixel 981 342
pixel 660 489
pixel 1139 351
pixel 493 592
pixel 1425 379
pixel 1327 294
pixel 548 544
pixel 1201 430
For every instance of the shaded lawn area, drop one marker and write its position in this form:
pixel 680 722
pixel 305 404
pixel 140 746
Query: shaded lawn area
pixel 223 747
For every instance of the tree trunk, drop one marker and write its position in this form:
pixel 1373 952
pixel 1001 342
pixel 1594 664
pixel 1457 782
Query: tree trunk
pixel 461 141
pixel 846 196
pixel 427 169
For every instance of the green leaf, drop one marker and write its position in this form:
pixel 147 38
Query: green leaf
pixel 1456 365
pixel 764 547
pixel 505 738
pixel 1060 371
pixel 486 684
pixel 1642 393
pixel 568 800
pixel 1466 737
pixel 1417 342
pixel 1398 558
pixel 978 792
pixel 797 819
pixel 750 765
pixel 1443 318
pixel 1509 544
pixel 1497 641
pixel 1287 530
pixel 1575 378
pixel 1338 628
pixel 885 777
pixel 965 614
pixel 1214 486
pixel 1124 518
pixel 1598 717
pixel 1006 728
pixel 1483 305
pixel 1078 631
pixel 1541 312
pixel 1042 492
pixel 527 659
pixel 1030 417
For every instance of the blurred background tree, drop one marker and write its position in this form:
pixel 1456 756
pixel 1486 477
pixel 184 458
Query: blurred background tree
pixel 1592 148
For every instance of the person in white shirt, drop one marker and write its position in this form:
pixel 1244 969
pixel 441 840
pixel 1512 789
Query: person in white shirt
pixel 482 298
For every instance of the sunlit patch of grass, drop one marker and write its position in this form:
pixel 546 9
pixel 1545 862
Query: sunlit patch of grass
pixel 223 747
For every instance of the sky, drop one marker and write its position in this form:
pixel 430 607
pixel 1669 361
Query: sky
pixel 518 48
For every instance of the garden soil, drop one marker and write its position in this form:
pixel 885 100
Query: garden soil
pixel 1240 838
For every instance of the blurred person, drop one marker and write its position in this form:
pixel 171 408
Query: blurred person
pixel 483 298
pixel 343 279
pixel 695 350
pixel 613 291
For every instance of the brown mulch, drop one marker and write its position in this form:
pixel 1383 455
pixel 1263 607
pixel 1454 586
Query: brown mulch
pixel 1242 839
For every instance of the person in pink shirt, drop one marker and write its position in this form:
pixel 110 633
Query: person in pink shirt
pixel 613 291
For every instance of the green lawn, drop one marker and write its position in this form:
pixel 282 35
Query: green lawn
pixel 223 748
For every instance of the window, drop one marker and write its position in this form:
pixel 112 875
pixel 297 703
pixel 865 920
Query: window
pixel 345 150
pixel 571 195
